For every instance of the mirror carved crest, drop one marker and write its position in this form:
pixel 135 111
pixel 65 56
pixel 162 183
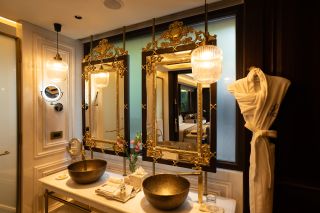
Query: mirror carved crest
pixel 104 50
pixel 178 34
pixel 165 60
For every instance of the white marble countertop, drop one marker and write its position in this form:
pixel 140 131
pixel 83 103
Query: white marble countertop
pixel 86 194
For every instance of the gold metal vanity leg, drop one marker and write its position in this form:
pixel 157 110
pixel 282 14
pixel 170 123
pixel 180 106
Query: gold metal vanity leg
pixel 46 203
pixel 124 166
pixel 205 185
pixel 200 188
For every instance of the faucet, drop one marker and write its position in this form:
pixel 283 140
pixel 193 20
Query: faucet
pixel 200 182
pixel 83 152
pixel 83 155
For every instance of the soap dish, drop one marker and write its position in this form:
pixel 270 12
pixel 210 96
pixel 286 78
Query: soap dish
pixel 62 177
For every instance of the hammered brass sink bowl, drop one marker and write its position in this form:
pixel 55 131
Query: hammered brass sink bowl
pixel 87 171
pixel 166 191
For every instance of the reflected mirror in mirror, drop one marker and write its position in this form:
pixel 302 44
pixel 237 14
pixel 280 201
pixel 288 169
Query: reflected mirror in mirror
pixel 51 93
pixel 176 103
pixel 172 107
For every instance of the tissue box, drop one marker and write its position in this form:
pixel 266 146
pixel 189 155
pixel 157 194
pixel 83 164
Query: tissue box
pixel 135 179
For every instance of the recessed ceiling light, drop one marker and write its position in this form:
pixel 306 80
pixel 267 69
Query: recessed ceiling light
pixel 78 17
pixel 113 4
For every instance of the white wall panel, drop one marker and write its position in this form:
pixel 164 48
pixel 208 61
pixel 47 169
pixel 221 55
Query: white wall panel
pixel 41 155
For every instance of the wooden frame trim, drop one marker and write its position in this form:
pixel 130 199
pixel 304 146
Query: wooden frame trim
pixel 19 119
pixel 125 59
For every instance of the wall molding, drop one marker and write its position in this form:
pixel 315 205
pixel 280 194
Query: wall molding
pixel 42 171
pixel 46 119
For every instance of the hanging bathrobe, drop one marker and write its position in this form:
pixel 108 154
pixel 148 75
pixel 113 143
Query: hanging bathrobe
pixel 259 97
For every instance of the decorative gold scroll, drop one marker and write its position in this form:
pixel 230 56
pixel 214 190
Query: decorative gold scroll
pixel 178 35
pixel 186 38
pixel 104 50
pixel 93 63
pixel 117 66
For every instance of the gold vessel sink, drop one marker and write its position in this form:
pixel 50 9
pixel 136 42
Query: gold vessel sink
pixel 87 171
pixel 166 191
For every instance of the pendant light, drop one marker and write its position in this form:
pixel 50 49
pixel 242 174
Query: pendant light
pixel 56 68
pixel 206 60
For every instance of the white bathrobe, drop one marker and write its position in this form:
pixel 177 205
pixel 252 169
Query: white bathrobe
pixel 259 97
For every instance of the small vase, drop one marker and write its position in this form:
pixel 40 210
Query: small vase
pixel 133 163
pixel 132 167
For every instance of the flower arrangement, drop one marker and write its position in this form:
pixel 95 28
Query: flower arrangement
pixel 135 149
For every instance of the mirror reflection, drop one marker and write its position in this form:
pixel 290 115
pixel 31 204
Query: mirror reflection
pixel 106 99
pixel 51 93
pixel 177 114
pixel 176 103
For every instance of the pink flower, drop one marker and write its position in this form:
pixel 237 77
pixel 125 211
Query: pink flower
pixel 137 148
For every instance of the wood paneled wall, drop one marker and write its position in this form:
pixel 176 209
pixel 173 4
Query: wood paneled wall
pixel 282 37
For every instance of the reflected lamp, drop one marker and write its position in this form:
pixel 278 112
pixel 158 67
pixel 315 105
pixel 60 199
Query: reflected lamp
pixel 101 79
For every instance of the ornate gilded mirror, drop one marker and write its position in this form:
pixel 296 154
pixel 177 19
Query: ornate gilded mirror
pixel 178 114
pixel 105 99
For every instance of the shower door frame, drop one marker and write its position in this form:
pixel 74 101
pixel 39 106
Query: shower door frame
pixel 19 121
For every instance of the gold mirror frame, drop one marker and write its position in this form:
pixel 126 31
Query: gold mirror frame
pixel 107 53
pixel 177 38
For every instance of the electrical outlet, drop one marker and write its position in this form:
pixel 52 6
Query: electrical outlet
pixel 56 135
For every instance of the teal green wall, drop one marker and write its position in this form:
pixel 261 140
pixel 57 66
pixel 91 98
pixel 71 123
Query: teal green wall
pixel 134 47
pixel 225 31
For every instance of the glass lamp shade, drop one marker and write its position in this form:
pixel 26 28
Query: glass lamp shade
pixel 206 62
pixel 57 70
pixel 101 79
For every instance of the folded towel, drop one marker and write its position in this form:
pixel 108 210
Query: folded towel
pixel 116 189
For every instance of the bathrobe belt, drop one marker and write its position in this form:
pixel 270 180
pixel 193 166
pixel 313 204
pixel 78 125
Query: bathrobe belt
pixel 257 133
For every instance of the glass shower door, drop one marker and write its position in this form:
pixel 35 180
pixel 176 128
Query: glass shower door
pixel 8 124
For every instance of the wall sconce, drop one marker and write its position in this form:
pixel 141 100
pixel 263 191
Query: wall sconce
pixel 52 93
pixel 206 60
pixel 56 68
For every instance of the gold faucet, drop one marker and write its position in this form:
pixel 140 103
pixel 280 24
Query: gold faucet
pixel 200 182
pixel 83 155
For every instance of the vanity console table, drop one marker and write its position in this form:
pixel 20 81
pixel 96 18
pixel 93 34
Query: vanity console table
pixel 86 194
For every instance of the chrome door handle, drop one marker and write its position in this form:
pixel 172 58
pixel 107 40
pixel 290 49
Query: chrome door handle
pixel 5 153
